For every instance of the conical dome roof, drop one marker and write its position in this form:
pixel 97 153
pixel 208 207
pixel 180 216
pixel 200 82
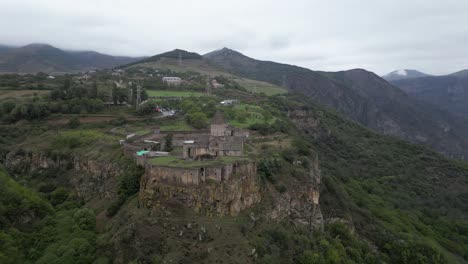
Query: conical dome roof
pixel 218 118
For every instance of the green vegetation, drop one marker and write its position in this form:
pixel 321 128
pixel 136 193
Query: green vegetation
pixel 171 161
pixel 278 243
pixel 260 87
pixel 177 125
pixel 32 231
pixel 397 193
pixel 129 184
pixel 403 202
pixel 168 143
pixel 198 120
pixel 19 95
pixel 152 93
pixel 72 139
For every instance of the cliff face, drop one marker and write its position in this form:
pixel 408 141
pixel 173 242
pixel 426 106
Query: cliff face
pixel 212 191
pixel 230 189
pixel 300 202
pixel 90 178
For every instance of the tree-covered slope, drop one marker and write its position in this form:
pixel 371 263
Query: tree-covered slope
pixel 408 201
pixel 43 227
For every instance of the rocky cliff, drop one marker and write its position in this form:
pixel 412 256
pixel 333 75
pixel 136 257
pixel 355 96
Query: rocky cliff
pixel 230 189
pixel 300 202
pixel 90 178
pixel 214 191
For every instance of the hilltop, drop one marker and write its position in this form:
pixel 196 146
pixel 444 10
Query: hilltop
pixel 403 74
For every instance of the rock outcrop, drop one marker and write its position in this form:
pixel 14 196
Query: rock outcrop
pixel 214 191
pixel 300 202
pixel 90 178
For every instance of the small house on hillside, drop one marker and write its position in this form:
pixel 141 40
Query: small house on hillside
pixel 216 84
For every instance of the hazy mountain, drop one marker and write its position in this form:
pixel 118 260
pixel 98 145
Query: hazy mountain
pixel 46 58
pixel 461 74
pixel 361 95
pixel 404 74
pixel 448 92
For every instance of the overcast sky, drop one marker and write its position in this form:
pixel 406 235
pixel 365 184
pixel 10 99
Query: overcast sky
pixel 378 35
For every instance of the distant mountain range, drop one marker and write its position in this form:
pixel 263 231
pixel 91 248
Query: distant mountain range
pixel 404 74
pixel 362 96
pixel 447 92
pixel 34 58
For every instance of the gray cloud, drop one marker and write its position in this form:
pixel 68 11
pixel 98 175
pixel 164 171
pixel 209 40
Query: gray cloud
pixel 380 36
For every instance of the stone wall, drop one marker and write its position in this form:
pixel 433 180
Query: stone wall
pixel 221 190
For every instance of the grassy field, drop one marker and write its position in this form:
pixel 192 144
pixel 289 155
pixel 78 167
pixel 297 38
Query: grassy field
pixel 260 87
pixel 21 94
pixel 178 125
pixel 171 161
pixel 153 93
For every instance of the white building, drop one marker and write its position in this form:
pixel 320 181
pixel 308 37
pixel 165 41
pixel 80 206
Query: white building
pixel 229 102
pixel 172 80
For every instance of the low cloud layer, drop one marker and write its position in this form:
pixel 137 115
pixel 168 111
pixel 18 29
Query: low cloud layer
pixel 331 35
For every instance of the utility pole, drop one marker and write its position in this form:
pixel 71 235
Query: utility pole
pixel 130 90
pixel 138 99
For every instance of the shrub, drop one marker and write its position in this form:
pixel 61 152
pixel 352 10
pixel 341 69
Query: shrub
pixel 74 122
pixel 85 219
pixel 59 196
pixel 267 168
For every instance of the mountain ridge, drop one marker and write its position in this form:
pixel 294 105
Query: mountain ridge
pixel 360 95
pixel 447 92
pixel 40 57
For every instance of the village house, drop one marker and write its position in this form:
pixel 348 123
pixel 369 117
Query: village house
pixel 216 84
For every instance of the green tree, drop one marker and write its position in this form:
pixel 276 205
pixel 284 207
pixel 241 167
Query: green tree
pixel 93 93
pixel 168 143
pixel 59 196
pixel 197 120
